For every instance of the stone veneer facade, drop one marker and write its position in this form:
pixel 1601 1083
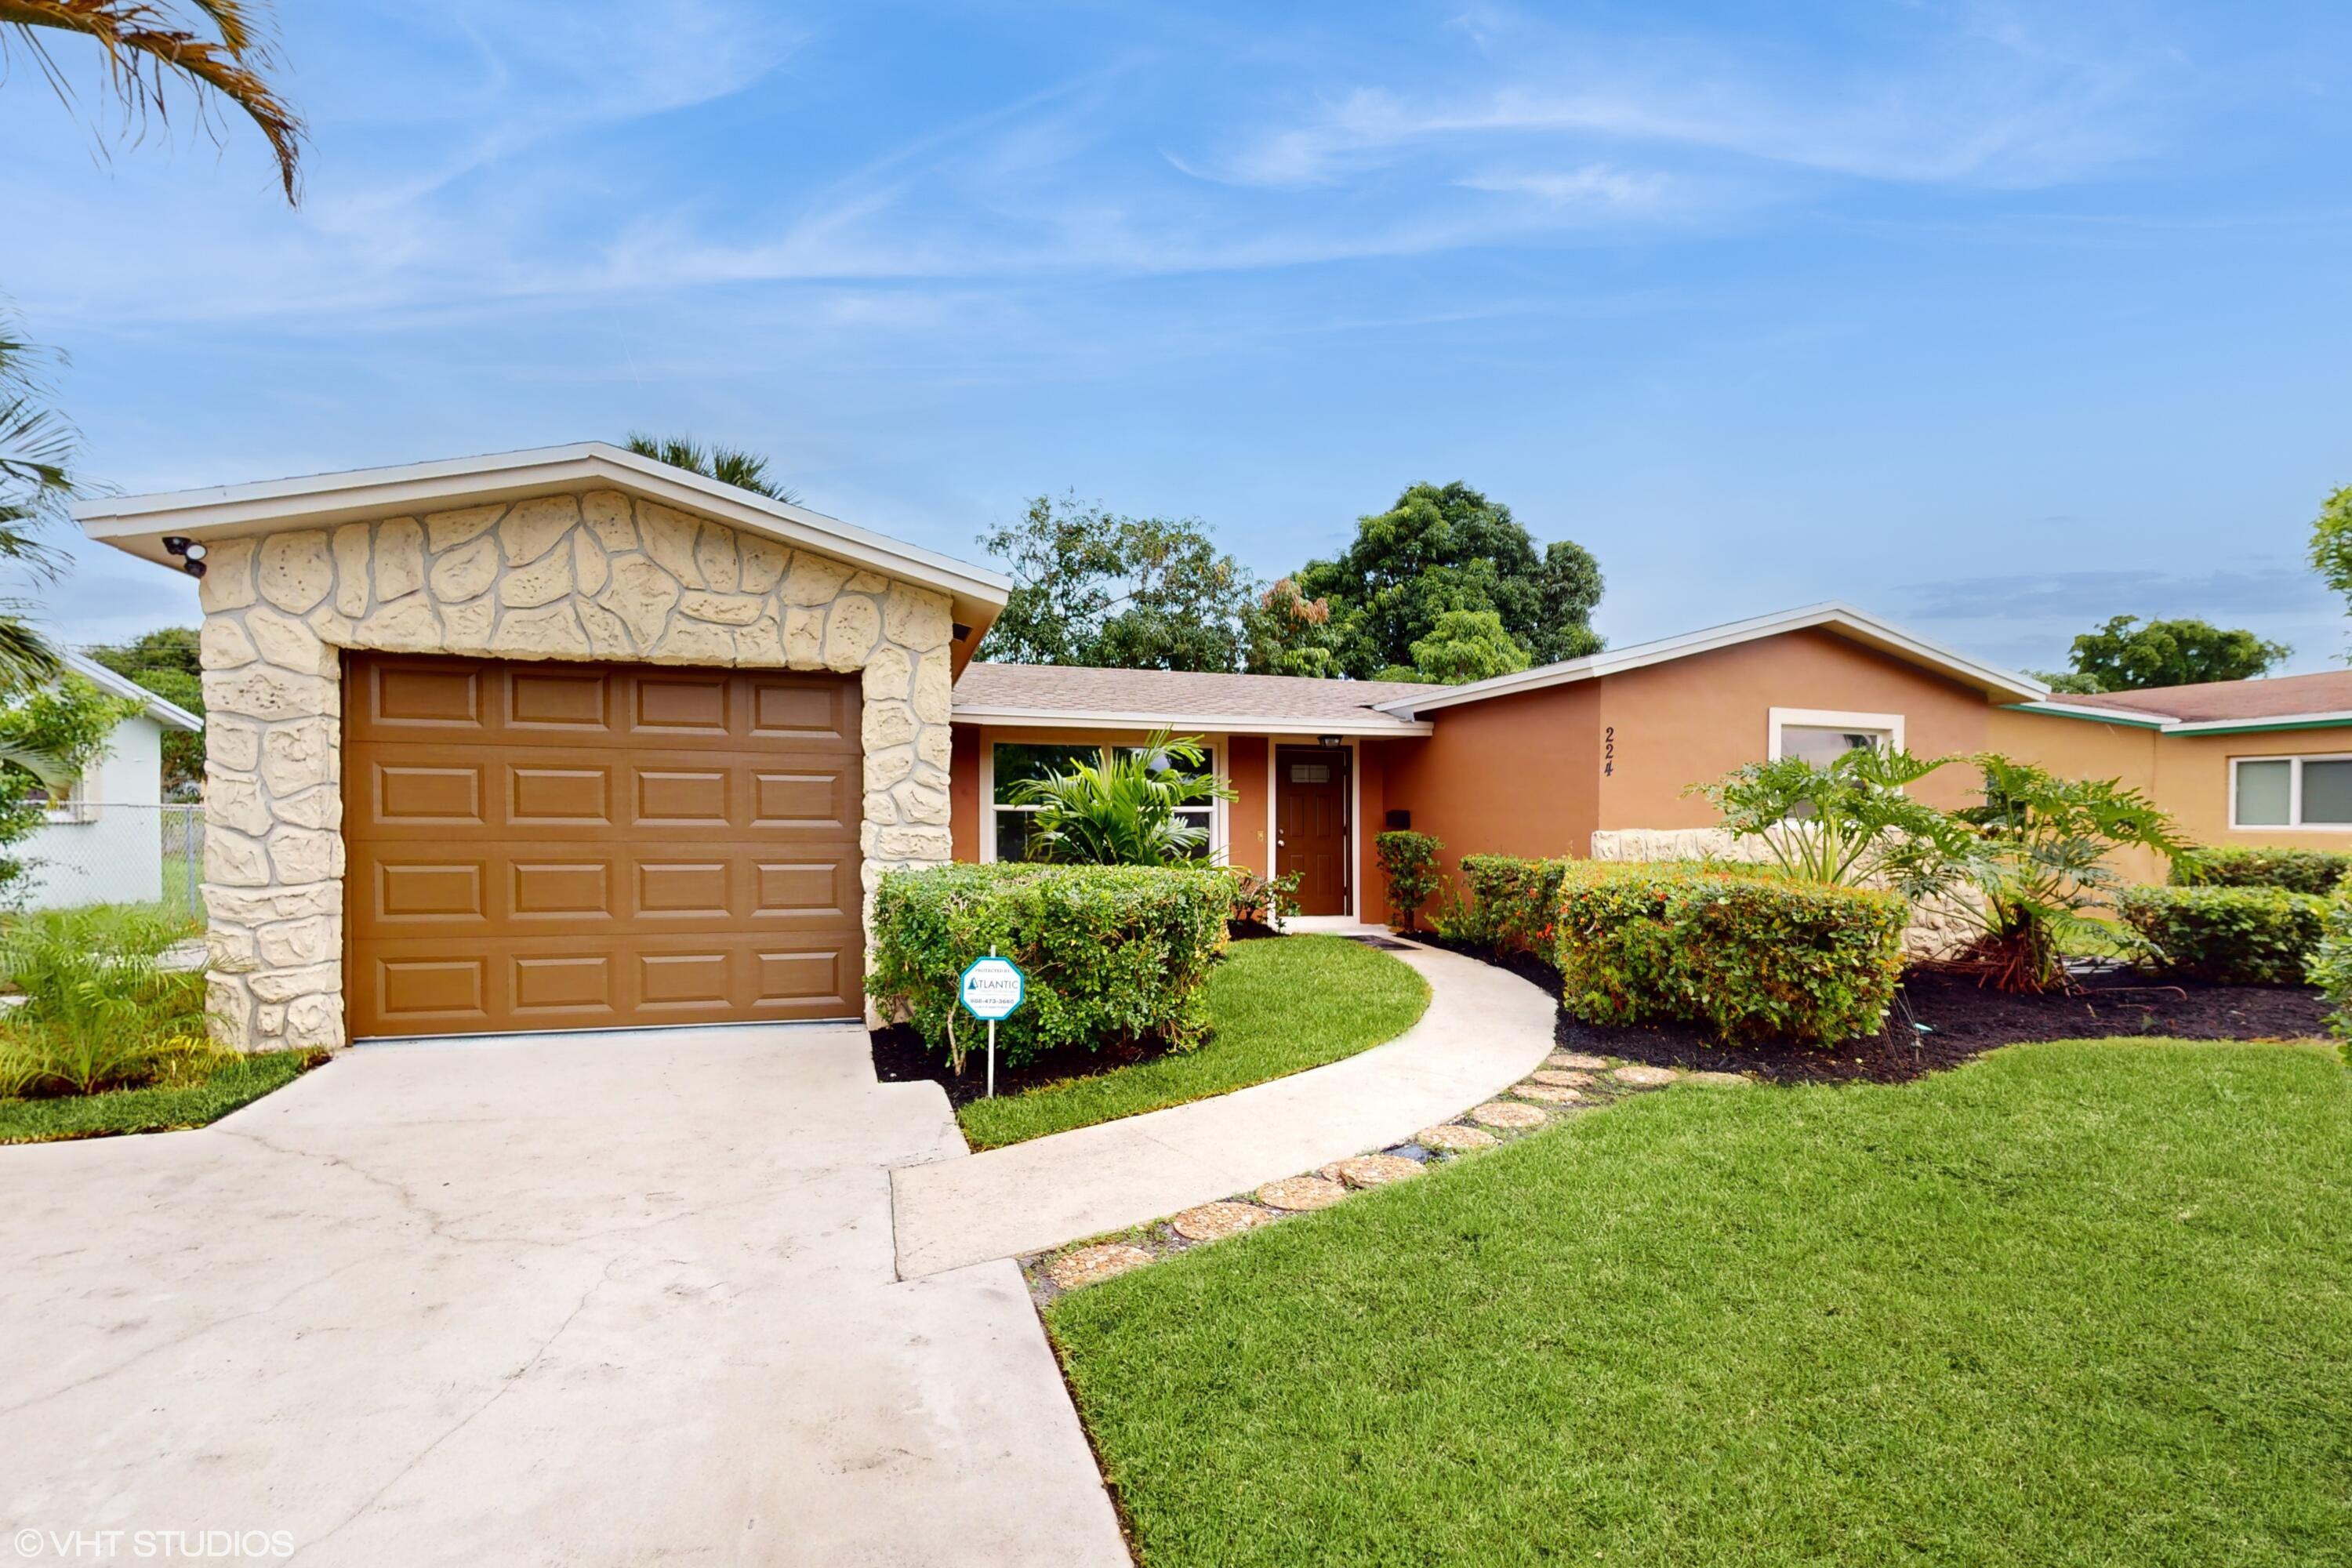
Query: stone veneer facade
pixel 587 576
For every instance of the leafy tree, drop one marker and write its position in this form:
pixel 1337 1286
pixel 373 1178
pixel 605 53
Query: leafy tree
pixel 728 465
pixel 1287 633
pixel 1465 646
pixel 1091 587
pixel 1125 808
pixel 167 663
pixel 2331 543
pixel 2125 656
pixel 1440 548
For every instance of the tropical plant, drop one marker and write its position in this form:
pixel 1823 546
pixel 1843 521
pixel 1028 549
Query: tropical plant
pixel 728 465
pixel 1848 821
pixel 218 49
pixel 1126 807
pixel 2041 861
pixel 1409 861
pixel 37 448
pixel 99 1010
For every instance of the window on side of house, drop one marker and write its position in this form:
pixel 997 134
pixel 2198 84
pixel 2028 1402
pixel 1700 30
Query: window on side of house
pixel 2291 792
pixel 70 803
pixel 1821 737
pixel 1012 763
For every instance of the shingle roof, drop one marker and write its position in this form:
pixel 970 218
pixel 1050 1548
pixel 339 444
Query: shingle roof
pixel 2218 701
pixel 1012 692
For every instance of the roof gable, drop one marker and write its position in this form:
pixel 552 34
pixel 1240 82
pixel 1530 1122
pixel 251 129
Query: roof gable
pixel 139 524
pixel 171 715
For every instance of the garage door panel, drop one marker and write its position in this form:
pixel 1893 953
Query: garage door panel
pixel 570 846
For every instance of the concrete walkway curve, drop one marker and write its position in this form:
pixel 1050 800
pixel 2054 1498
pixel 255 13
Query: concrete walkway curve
pixel 1485 1029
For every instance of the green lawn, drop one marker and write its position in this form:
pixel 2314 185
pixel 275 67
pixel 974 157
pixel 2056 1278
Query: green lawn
pixel 239 1083
pixel 1278 1007
pixel 2072 1304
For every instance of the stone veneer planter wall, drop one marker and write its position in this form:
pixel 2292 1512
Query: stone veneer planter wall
pixel 591 576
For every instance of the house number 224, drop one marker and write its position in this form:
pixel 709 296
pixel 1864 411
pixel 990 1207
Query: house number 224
pixel 1608 751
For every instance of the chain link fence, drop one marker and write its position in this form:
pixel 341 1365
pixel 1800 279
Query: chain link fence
pixel 106 852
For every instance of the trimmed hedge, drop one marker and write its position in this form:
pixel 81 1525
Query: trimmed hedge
pixel 1752 955
pixel 1115 956
pixel 2229 935
pixel 2330 969
pixel 2297 871
pixel 1514 904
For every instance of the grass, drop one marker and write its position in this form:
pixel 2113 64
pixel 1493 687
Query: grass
pixel 1278 1007
pixel 2075 1304
pixel 238 1082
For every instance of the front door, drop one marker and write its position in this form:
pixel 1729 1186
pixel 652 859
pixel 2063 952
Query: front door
pixel 1310 819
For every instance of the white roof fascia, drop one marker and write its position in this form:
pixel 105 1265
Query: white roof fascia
pixel 1870 629
pixel 137 524
pixel 171 715
pixel 2137 718
pixel 1226 723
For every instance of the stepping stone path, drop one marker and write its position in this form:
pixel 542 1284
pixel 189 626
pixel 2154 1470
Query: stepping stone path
pixel 1213 1222
pixel 1715 1077
pixel 1455 1138
pixel 1580 1059
pixel 1089 1264
pixel 1645 1077
pixel 1301 1193
pixel 1550 1094
pixel 1371 1170
pixel 1503 1113
pixel 1560 1079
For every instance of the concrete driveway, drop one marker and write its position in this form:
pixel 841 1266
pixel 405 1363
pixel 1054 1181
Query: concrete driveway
pixel 587 1300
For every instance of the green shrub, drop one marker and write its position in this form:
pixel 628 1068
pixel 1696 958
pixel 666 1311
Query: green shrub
pixel 2229 935
pixel 1751 954
pixel 1409 860
pixel 99 1011
pixel 1513 906
pixel 1115 956
pixel 2330 969
pixel 2298 870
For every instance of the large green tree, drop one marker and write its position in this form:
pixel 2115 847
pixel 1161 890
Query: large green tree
pixel 2125 655
pixel 1093 587
pixel 1440 548
pixel 1465 646
pixel 2331 544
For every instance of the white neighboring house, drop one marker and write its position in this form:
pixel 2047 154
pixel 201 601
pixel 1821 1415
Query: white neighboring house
pixel 103 843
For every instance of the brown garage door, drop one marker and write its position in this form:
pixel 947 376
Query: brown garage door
pixel 573 845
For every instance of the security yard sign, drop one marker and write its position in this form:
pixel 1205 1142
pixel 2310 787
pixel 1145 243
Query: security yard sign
pixel 992 988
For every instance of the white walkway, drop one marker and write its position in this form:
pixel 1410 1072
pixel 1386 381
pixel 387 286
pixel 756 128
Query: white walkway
pixel 1485 1029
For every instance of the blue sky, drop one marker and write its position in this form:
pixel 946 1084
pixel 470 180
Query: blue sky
pixel 1995 320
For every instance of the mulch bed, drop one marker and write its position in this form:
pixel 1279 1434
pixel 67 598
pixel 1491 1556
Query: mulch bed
pixel 900 1057
pixel 1963 1020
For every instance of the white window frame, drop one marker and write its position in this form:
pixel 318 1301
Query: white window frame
pixel 2295 822
pixel 1778 719
pixel 77 806
pixel 989 806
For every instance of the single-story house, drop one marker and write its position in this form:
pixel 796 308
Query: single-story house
pixel 572 739
pixel 108 837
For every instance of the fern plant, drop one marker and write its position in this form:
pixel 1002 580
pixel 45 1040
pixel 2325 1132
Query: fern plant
pixel 99 1009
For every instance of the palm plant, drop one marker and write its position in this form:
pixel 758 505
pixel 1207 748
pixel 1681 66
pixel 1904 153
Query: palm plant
pixel 2041 863
pixel 1126 807
pixel 37 452
pixel 1848 821
pixel 99 1009
pixel 220 49
pixel 728 465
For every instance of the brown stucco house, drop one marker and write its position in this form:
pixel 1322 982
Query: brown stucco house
pixel 572 739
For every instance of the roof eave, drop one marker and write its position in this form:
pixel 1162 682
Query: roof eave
pixel 1220 723
pixel 169 714
pixel 139 524
pixel 1849 622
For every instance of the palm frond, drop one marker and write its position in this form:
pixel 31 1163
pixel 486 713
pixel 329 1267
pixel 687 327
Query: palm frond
pixel 150 44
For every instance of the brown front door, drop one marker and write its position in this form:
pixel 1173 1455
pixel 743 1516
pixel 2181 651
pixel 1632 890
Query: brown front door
pixel 1310 819
pixel 583 845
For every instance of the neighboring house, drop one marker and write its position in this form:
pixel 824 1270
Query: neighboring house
pixel 570 738
pixel 104 842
